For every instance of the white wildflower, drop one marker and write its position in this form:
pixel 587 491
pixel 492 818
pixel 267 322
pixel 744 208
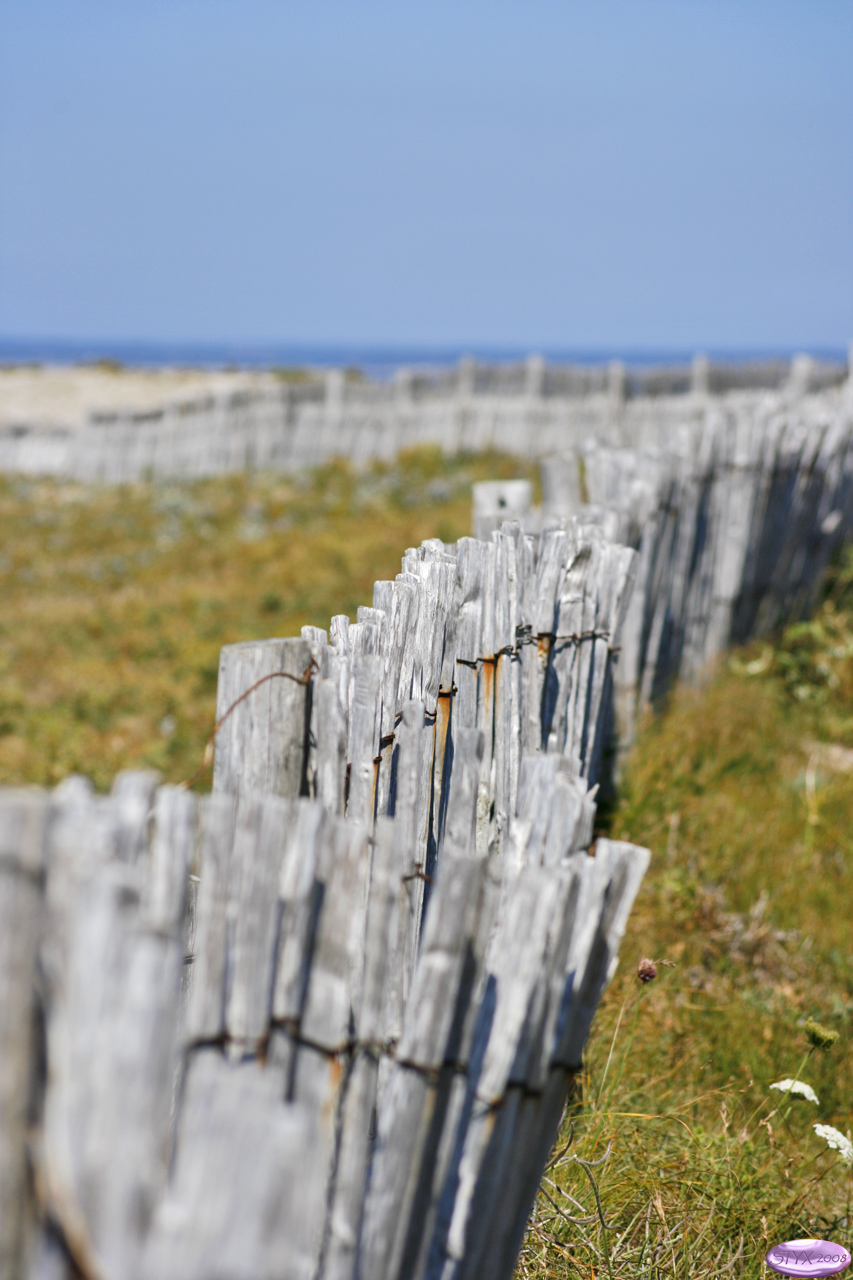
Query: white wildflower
pixel 836 1140
pixel 796 1087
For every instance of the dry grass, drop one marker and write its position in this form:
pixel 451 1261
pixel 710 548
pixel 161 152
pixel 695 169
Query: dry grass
pixel 116 602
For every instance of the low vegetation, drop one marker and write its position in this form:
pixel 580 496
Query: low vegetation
pixel 744 793
pixel 677 1158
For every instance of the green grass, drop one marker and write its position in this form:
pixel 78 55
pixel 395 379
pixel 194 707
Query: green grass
pixel 750 896
pixel 115 604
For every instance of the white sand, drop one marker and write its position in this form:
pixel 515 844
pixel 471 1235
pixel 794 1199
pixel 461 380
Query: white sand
pixel 64 395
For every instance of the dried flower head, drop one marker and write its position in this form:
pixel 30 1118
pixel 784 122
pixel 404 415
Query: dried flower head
pixel 818 1036
pixel 647 970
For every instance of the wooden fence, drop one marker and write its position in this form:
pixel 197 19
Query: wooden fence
pixel 734 520
pixel 322 1023
pixel 533 409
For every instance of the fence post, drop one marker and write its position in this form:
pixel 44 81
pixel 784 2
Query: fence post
pixel 700 375
pixel 534 377
pixel 263 704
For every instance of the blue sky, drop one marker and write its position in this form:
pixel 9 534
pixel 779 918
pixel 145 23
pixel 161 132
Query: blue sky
pixel 614 173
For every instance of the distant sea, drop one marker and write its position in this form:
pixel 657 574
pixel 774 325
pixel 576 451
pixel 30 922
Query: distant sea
pixel 375 361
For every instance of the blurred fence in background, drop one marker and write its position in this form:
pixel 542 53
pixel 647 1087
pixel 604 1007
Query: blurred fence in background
pixel 734 514
pixel 531 408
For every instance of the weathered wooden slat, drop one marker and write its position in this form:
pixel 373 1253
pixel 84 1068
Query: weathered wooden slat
pixel 23 819
pixel 331 748
pixel 300 892
pixel 472 570
pixel 261 745
pixel 172 851
pixel 621 867
pixel 134 789
pixel 459 834
pixel 353 1160
pixel 259 846
pixel 410 891
pixel 409 1105
pixel 364 723
pixel 106 1113
pixel 405 689
pixel 440 988
pixel 206 1002
pixel 554 553
pixel 537 1120
pixel 334 981
pixel 381 962
pixel 505 755
pixel 245 1198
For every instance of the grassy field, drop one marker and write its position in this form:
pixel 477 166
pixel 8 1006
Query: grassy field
pixel 744 793
pixel 115 604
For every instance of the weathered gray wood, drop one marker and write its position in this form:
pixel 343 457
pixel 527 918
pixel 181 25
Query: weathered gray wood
pixel 403 1137
pixel 245 1198
pixel 259 845
pixel 537 1121
pixel 172 851
pixel 382 941
pixel 438 672
pixel 554 553
pixel 381 962
pixel 440 985
pixel 206 1003
pixel 517 963
pixel 395 599
pixel 331 745
pixel 23 818
pixel 261 745
pixel 405 689
pixel 334 981
pixel 353 1159
pixel 364 733
pixel 338 634
pixel 504 754
pixel 106 1113
pixel 300 893
pixel 134 789
pixel 410 890
pixel 427 634
pixel 459 834
pixel 472 568
pixel 621 867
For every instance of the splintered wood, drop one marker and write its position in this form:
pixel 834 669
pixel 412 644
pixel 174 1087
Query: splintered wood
pixel 320 1025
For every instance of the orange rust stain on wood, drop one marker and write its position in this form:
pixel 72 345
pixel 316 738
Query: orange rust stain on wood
pixel 488 671
pixel 442 720
pixel 336 1074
